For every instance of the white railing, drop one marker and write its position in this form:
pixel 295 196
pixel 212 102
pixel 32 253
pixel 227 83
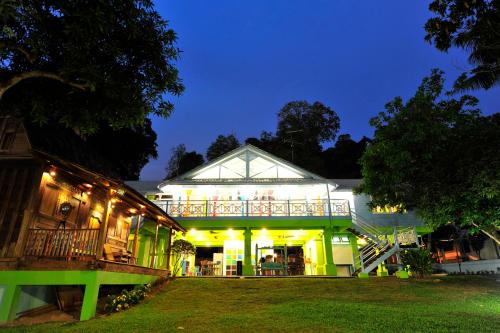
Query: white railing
pixel 255 208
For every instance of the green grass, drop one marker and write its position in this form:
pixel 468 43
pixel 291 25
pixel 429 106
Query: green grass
pixel 457 304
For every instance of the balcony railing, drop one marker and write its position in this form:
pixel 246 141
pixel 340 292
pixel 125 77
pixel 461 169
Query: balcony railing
pixel 255 208
pixel 62 243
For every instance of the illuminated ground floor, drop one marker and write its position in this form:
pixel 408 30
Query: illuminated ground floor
pixel 269 250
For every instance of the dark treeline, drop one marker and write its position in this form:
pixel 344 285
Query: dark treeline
pixel 302 131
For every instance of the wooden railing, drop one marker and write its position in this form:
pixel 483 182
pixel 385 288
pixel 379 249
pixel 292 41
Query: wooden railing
pixel 62 243
pixel 255 208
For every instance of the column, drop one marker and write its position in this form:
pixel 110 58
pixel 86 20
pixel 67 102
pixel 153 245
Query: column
pixel 136 238
pixel 169 250
pixel 247 261
pixel 8 306
pixel 155 244
pixel 353 240
pixel 103 230
pixel 89 301
pixel 330 268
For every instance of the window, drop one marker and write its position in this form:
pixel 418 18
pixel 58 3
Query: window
pixel 340 240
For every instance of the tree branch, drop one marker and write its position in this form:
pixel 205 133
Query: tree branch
pixel 6 85
pixel 30 56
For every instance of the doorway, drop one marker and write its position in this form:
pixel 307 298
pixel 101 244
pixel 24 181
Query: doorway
pixel 208 260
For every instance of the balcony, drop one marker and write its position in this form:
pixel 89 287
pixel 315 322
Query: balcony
pixel 255 208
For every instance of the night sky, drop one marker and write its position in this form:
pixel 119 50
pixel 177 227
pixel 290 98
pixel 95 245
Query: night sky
pixel 243 60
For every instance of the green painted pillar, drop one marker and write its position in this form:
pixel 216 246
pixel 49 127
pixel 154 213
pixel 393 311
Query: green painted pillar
pixel 247 259
pixel 143 253
pixel 353 240
pixel 9 303
pixel 160 258
pixel 330 268
pixel 319 268
pixel 90 300
pixel 381 269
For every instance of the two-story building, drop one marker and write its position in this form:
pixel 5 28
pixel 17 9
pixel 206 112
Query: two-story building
pixel 249 212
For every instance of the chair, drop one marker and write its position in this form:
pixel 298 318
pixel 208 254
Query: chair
pixel 197 270
pixel 204 267
pixel 108 252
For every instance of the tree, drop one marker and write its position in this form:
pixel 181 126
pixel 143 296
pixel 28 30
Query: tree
pixel 303 128
pixel 473 25
pixel 182 161
pixel 342 160
pixel 222 145
pixel 181 249
pixel 86 64
pixel 436 155
pixel 127 149
pixel 308 123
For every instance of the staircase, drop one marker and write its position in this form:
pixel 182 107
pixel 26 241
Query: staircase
pixel 379 245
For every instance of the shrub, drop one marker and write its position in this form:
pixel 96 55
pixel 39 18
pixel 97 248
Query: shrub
pixel 419 262
pixel 126 298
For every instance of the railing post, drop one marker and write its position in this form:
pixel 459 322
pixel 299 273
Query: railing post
pixel 396 241
pixel 288 208
pixel 361 259
pixel 206 208
pixel 329 206
pixel 166 207
pixel 247 208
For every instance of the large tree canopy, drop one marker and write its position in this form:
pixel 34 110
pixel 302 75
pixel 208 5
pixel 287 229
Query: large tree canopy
pixel 127 149
pixel 308 123
pixel 222 145
pixel 342 160
pixel 86 63
pixel 182 161
pixel 436 155
pixel 473 25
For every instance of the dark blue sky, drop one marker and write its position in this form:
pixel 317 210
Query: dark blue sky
pixel 243 60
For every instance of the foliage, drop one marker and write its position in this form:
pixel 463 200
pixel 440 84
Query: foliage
pixel 473 25
pixel 316 123
pixel 86 64
pixel 342 160
pixel 419 261
pixel 222 145
pixel 127 149
pixel 182 161
pixel 126 299
pixel 302 129
pixel 438 156
pixel 180 250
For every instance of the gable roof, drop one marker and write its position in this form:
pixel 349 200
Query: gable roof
pixel 246 164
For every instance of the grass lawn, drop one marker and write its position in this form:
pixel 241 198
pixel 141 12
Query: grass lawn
pixel 457 304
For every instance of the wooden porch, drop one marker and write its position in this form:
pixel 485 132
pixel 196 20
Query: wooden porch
pixel 29 264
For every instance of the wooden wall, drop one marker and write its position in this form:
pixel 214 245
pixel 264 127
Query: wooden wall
pixel 19 181
pixel 13 137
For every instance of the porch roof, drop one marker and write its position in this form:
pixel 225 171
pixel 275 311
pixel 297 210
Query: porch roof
pixel 127 193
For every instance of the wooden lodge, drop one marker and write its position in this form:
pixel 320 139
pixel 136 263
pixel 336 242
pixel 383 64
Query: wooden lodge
pixel 60 220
